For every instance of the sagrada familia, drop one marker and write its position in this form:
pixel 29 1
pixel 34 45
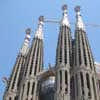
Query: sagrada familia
pixel 73 77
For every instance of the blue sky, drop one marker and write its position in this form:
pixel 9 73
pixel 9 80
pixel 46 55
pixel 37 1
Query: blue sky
pixel 17 15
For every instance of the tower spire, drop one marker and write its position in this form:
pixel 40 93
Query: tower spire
pixel 83 68
pixel 79 21
pixel 16 76
pixel 65 20
pixel 34 64
pixel 39 31
pixel 63 59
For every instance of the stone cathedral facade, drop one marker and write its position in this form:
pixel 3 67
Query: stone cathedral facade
pixel 73 77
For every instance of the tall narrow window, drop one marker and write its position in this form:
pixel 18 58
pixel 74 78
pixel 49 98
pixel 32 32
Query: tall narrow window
pixel 33 56
pixel 16 98
pixel 9 98
pixel 88 84
pixel 28 87
pixel 33 88
pixel 82 82
pixel 60 80
pixel 84 51
pixel 79 49
pixel 77 84
pixel 60 59
pixel 65 46
pixel 66 82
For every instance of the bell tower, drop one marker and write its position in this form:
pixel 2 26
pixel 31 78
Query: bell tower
pixel 33 65
pixel 63 58
pixel 14 81
pixel 84 68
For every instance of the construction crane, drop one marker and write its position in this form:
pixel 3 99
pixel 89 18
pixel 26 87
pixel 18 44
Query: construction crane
pixel 58 22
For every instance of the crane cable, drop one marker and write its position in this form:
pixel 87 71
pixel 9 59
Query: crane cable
pixel 87 24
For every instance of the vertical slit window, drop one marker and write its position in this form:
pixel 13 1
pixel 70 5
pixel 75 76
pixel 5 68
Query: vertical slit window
pixel 28 87
pixel 33 56
pixel 88 85
pixel 60 59
pixel 60 80
pixel 70 47
pixel 65 46
pixel 66 82
pixel 77 84
pixel 82 82
pixel 9 98
pixel 84 51
pixel 79 49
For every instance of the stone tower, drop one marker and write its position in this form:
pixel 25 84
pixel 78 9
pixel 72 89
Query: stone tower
pixel 84 74
pixel 14 81
pixel 63 59
pixel 73 77
pixel 33 65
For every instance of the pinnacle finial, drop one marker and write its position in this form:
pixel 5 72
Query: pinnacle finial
pixel 25 46
pixel 77 8
pixel 79 22
pixel 65 20
pixel 28 31
pixel 39 31
pixel 64 7
pixel 41 18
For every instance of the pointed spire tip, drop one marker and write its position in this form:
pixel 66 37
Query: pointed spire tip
pixel 65 20
pixel 39 31
pixel 79 23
